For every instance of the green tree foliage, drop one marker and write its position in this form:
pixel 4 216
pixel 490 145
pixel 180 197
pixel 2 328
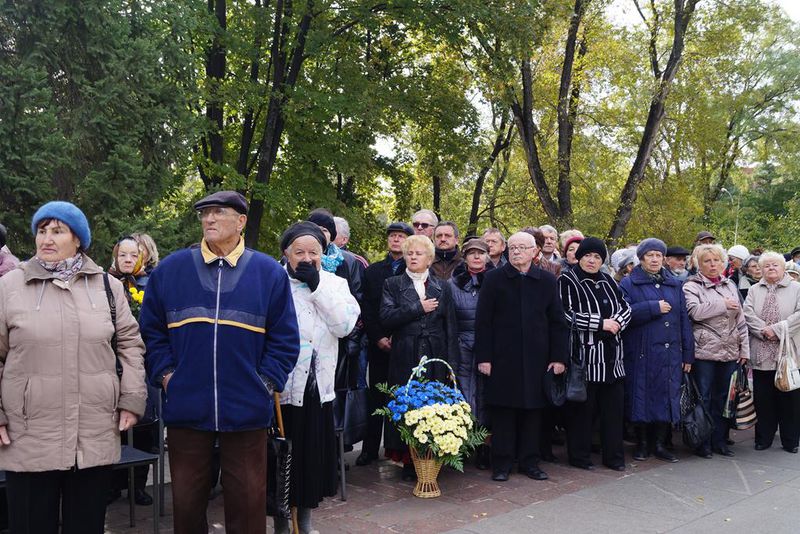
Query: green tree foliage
pixel 134 109
pixel 90 112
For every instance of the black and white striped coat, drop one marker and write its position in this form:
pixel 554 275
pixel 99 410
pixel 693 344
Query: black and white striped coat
pixel 580 295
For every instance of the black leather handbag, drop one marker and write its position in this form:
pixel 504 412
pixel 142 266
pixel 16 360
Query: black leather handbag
pixel 576 368
pixel 555 388
pixel 695 420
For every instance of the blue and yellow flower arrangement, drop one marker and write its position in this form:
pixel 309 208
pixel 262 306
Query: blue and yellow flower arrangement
pixel 432 416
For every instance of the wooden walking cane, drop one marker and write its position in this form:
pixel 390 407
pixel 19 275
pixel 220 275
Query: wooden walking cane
pixel 279 416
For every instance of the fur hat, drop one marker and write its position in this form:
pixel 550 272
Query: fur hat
pixel 591 244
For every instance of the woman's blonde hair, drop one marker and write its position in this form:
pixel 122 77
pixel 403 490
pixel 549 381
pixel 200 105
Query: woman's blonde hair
pixel 420 241
pixel 701 251
pixel 148 246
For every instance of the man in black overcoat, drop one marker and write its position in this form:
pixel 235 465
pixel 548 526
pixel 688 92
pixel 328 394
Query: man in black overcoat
pixel 379 337
pixel 520 333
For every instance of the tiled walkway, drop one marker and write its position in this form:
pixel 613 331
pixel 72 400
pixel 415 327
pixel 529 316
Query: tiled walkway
pixel 753 492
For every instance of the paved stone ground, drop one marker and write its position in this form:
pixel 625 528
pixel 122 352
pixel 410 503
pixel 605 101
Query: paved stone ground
pixel 753 492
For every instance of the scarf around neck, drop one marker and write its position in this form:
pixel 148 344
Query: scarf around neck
pixel 65 269
pixel 419 280
pixel 332 259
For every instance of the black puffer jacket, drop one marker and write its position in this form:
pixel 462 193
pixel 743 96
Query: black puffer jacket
pixel 465 297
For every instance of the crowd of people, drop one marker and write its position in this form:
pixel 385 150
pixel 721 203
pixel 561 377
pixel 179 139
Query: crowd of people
pixel 227 336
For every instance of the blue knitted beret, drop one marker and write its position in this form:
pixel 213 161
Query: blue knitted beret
pixel 649 244
pixel 67 213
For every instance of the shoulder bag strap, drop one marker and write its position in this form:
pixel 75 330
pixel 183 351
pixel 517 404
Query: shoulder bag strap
pixel 112 305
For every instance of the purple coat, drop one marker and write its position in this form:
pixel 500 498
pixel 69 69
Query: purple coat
pixel 656 346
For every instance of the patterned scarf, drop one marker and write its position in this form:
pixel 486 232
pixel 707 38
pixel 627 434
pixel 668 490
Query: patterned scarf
pixel 770 313
pixel 332 259
pixel 65 269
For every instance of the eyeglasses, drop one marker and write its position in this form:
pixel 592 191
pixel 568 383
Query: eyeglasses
pixel 421 225
pixel 217 211
pixel 519 248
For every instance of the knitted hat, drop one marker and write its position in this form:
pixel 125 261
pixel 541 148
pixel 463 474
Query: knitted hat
pixel 322 217
pixel 622 257
pixel 739 252
pixel 3 236
pixel 300 229
pixel 68 214
pixel 591 244
pixel 400 227
pixel 650 244
pixel 792 267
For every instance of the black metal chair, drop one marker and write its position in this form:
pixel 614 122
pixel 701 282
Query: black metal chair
pixel 131 458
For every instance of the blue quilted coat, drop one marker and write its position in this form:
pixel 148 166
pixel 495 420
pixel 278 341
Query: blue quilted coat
pixel 656 346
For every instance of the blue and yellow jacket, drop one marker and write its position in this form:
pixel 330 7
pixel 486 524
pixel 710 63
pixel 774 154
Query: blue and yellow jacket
pixel 227 329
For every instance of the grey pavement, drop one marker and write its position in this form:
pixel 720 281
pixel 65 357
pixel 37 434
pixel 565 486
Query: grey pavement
pixel 756 491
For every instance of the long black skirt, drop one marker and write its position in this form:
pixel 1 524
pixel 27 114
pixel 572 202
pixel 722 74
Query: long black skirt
pixel 310 428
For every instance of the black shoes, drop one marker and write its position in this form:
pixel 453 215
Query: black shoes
pixel 409 474
pixel 534 472
pixel 620 467
pixel 366 458
pixel 500 476
pixel 483 457
pixel 724 451
pixel 549 457
pixel 761 446
pixel 142 498
pixel 662 453
pixel 640 452
pixel 587 466
pixel 703 453
pixel 792 450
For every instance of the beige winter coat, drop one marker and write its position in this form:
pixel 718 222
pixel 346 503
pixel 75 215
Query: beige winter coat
pixel 720 334
pixel 59 391
pixel 788 295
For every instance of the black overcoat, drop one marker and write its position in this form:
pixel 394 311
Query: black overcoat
pixel 519 328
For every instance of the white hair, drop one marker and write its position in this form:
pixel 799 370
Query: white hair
pixel 342 226
pixel 547 228
pixel 771 255
pixel 429 213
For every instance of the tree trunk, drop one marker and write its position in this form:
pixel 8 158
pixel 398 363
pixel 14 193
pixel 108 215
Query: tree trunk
pixel 215 111
pixel 248 126
pixel 559 209
pixel 568 96
pixel 499 181
pixel 501 142
pixel 285 70
pixel 437 195
pixel 683 13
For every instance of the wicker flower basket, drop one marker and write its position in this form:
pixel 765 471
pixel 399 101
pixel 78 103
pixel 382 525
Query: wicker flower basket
pixel 427 468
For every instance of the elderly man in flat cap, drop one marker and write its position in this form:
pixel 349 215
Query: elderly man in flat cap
pixel 221 332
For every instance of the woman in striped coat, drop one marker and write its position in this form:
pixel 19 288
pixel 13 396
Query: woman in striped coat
pixel 594 306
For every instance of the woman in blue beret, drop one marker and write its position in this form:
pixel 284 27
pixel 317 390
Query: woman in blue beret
pixel 63 404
